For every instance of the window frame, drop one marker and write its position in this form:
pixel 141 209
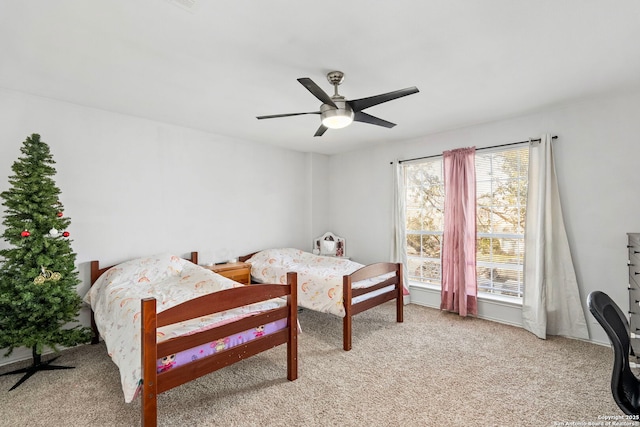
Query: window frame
pixel 416 259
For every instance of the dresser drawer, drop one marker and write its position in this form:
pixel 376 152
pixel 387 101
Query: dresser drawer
pixel 634 324
pixel 634 251
pixel 238 271
pixel 634 273
pixel 244 276
pixel 634 281
pixel 634 256
pixel 634 300
pixel 635 346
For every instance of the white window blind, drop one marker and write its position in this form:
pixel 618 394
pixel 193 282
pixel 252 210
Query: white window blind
pixel 501 191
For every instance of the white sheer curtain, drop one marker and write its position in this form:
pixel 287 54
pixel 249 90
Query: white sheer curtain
pixel 399 239
pixel 551 303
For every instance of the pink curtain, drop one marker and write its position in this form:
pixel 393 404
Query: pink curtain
pixel 459 284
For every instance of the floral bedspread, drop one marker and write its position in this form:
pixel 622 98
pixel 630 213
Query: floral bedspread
pixel 116 295
pixel 319 277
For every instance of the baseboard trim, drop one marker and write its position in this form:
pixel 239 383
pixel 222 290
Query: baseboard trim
pixel 493 310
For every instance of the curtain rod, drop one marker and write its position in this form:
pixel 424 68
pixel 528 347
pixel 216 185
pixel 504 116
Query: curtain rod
pixel 479 149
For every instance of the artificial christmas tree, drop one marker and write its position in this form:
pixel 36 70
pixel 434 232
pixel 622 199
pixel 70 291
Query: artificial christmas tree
pixel 38 299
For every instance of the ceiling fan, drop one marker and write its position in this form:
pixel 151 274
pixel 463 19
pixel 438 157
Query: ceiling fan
pixel 336 112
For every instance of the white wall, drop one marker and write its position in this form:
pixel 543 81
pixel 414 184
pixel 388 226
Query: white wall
pixel 135 187
pixel 597 152
pixel 319 192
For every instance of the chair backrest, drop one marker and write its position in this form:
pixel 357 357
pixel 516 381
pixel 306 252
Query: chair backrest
pixel 625 387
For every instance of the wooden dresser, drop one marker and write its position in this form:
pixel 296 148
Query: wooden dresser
pixel 634 292
pixel 238 271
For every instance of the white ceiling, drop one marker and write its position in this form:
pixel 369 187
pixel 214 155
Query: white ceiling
pixel 219 64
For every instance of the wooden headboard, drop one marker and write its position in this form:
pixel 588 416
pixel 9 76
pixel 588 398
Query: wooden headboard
pixel 97 271
pixel 243 258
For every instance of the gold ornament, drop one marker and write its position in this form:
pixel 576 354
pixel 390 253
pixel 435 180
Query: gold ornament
pixel 46 275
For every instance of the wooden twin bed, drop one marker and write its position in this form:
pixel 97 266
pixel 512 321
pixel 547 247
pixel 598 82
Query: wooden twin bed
pixel 132 306
pixel 155 380
pixel 321 277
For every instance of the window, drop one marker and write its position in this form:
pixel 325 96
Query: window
pixel 501 193
pixel 424 186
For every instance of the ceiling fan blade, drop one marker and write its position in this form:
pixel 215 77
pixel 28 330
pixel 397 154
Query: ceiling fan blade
pixel 321 130
pixel 362 103
pixel 316 91
pixel 273 116
pixel 359 116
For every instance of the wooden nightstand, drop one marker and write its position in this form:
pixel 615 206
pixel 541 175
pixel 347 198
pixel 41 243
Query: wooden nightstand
pixel 238 271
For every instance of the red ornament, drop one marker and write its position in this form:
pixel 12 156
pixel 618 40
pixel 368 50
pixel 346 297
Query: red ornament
pixel 25 233
pixel 59 214
pixel 65 234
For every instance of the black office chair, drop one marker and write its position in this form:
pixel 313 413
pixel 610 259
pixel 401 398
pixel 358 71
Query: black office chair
pixel 625 386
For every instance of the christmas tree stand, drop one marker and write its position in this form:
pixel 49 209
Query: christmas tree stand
pixel 38 365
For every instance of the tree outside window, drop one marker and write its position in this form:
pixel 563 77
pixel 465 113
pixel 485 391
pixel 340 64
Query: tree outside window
pixel 501 191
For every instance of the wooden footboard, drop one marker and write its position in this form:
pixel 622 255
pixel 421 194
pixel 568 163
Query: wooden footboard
pixel 154 382
pixel 366 272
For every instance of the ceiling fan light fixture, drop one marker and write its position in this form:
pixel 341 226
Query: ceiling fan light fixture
pixel 336 118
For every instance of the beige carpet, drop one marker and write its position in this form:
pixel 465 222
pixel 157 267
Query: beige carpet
pixel 436 369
